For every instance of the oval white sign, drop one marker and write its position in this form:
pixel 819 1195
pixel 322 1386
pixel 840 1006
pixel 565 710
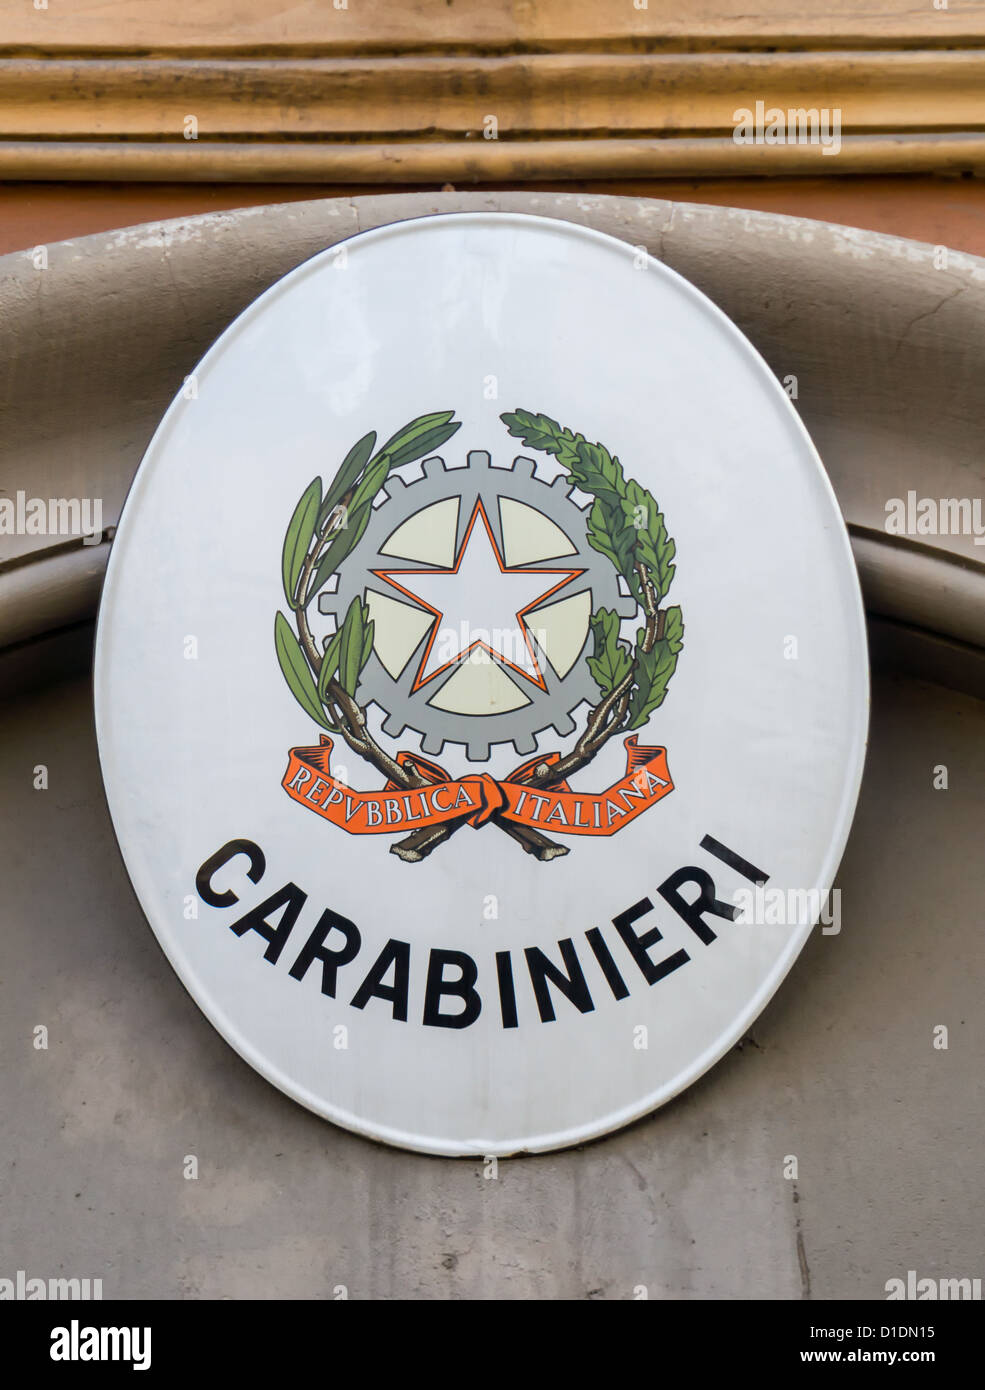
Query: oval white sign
pixel 481 684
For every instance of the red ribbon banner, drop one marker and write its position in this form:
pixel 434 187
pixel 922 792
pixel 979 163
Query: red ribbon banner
pixel 477 796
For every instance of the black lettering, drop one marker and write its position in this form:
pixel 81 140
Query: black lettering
pixel 463 988
pixel 733 860
pixel 203 879
pixel 331 961
pixel 639 946
pixel 507 992
pixel 704 902
pixel 572 985
pixel 397 954
pixel 291 899
pixel 609 969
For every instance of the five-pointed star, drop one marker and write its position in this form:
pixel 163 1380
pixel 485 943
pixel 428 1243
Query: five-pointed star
pixel 478 604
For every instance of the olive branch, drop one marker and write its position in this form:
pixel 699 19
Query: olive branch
pixel 322 532
pixel 625 525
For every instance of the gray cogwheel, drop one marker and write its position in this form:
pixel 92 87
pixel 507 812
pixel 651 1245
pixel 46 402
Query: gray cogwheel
pixel 549 701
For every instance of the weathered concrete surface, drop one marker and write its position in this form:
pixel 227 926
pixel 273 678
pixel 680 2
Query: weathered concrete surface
pixel 840 1071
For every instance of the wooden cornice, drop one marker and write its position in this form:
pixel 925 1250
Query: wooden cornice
pixel 383 92
pixel 244 27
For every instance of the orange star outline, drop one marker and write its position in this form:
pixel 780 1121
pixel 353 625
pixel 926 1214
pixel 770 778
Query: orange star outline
pixel 538 602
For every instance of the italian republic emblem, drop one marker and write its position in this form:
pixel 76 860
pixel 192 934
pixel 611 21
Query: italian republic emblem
pixel 473 605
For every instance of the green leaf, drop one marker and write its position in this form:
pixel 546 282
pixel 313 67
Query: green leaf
pixel 407 436
pixel 351 650
pixel 654 669
pixel 367 641
pixel 300 534
pixel 653 676
pixel 536 431
pixel 610 663
pixel 600 537
pixel 296 670
pixel 674 629
pixel 423 444
pixel 596 471
pixel 372 480
pixel 653 547
pixel 352 465
pixel 329 664
pixel 344 542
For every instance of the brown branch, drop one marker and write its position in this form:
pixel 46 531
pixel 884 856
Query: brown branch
pixel 420 843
